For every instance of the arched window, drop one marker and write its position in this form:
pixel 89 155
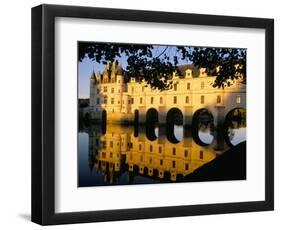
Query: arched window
pixel 175 99
pixel 185 153
pixel 202 99
pixel 187 99
pixel 218 99
pixel 201 154
pixel 238 99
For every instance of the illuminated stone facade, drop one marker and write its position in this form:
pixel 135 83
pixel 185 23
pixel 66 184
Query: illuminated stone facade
pixel 191 91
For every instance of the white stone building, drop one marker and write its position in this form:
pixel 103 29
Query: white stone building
pixel 120 101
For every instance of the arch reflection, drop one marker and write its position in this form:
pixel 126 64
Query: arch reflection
pixel 203 127
pixel 235 126
pixel 174 125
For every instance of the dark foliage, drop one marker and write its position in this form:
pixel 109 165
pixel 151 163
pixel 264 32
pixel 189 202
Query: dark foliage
pixel 157 70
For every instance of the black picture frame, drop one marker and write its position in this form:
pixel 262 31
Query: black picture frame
pixel 43 114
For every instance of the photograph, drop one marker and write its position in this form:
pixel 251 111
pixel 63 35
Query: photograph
pixel 150 113
pixel 171 112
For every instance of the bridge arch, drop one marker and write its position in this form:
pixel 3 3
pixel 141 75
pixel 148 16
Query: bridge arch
pixel 234 126
pixel 103 120
pixel 174 118
pixel 87 116
pixel 203 127
pixel 152 117
pixel 136 116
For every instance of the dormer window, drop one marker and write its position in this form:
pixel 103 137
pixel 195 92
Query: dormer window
pixel 188 73
pixel 202 72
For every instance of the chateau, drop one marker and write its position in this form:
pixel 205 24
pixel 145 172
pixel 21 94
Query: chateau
pixel 119 100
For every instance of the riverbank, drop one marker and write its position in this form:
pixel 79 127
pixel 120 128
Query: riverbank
pixel 229 166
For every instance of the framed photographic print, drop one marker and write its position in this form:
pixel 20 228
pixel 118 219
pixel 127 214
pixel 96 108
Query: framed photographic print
pixel 143 114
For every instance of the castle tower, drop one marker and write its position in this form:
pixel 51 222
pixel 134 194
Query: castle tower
pixel 106 91
pixel 95 96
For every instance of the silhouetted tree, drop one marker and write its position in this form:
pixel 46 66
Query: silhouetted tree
pixel 225 63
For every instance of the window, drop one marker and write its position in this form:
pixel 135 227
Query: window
pixel 150 160
pixel 142 89
pixel 103 154
pixel 111 144
pixel 141 158
pixel 187 99
pixel 140 100
pixel 174 164
pixel 105 89
pixel 185 153
pixel 188 86
pixel 186 166
pixel 129 101
pixel 238 99
pixel 201 154
pixel 139 146
pixel 98 100
pixel 160 149
pixel 112 90
pixel 161 161
pixel 175 99
pixel 111 155
pixel 133 89
pixel 202 99
pixel 112 100
pixel 98 91
pixel 151 148
pixel 161 100
pixel 202 85
pixel 105 100
pixel 175 87
pixel 132 100
pixel 151 100
pixel 174 151
pixel 218 99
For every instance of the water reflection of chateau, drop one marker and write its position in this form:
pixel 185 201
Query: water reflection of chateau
pixel 191 91
pixel 119 151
